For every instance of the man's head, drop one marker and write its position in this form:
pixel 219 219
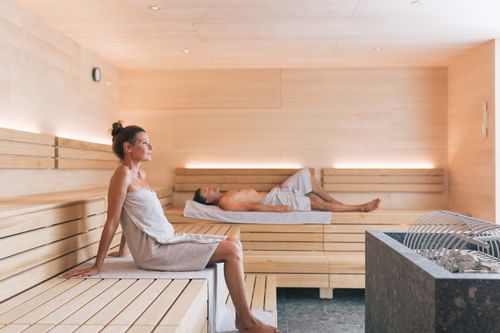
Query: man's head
pixel 207 195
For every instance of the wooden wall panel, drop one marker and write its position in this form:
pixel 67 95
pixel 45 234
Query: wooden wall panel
pixel 46 87
pixel 384 116
pixel 471 156
pixel 200 89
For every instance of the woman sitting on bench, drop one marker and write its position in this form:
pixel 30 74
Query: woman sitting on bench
pixel 151 238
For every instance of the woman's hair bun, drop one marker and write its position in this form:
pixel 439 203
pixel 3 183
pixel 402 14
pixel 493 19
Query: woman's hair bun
pixel 117 128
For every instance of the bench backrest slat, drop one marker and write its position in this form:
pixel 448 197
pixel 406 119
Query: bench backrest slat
pixel 76 154
pixel 25 150
pixel 188 180
pixel 383 180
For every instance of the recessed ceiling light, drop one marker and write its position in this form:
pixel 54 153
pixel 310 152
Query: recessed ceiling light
pixel 155 7
pixel 417 2
pixel 185 50
pixel 377 48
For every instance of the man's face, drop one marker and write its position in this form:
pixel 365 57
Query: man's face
pixel 210 193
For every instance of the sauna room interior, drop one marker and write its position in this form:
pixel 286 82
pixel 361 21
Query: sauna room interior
pixel 240 93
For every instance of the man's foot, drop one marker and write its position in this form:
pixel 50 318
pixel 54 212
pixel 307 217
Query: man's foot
pixel 369 206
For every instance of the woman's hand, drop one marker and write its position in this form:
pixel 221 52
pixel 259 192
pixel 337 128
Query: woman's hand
pixel 119 254
pixel 81 272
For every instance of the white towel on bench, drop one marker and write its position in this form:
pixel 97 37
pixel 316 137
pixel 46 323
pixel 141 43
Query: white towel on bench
pixel 196 210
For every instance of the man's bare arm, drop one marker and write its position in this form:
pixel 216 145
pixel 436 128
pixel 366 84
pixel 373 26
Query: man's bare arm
pixel 231 205
pixel 269 208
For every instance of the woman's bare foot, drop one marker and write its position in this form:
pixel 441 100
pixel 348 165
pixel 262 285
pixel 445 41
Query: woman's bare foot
pixel 369 206
pixel 256 327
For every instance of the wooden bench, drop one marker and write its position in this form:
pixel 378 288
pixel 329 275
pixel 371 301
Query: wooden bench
pixel 344 239
pixel 318 256
pixel 109 305
pixel 44 235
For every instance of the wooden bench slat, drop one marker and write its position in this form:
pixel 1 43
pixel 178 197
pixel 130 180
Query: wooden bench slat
pixel 26 260
pixel 302 280
pixel 270 297
pixel 178 316
pixel 384 187
pixel 90 309
pixel 384 179
pixel 38 328
pixel 413 171
pixel 279 228
pixel 153 315
pixel 64 329
pixel 64 163
pixel 26 162
pixel 345 247
pixel 345 238
pixel 222 171
pixel 77 302
pixel 249 288
pixel 378 217
pixel 224 187
pixel 47 217
pixel 112 309
pixel 55 303
pixel 28 295
pixel 90 329
pixel 23 308
pixel 15 328
pixel 28 240
pixel 26 149
pixel 346 262
pixel 79 144
pixel 82 154
pixel 132 329
pixel 282 237
pixel 349 228
pixel 128 315
pixel 231 179
pixel 347 281
pixel 23 136
pixel 18 283
pixel 283 246
pixel 259 293
pixel 223 230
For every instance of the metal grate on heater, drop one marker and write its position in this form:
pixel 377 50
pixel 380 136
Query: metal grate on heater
pixel 458 243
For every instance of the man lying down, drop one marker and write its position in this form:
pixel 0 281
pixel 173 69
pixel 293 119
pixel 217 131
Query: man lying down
pixel 300 192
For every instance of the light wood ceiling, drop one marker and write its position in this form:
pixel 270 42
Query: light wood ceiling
pixel 272 33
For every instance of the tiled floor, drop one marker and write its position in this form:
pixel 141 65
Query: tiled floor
pixel 301 311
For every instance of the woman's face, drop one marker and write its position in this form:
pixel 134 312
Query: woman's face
pixel 142 149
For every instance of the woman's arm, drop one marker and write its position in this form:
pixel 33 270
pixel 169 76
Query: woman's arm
pixel 116 197
pixel 123 250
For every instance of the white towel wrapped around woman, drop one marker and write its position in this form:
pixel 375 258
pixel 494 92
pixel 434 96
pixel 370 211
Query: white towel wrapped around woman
pixel 152 241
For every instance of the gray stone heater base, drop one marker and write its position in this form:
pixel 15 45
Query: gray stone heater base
pixel 406 292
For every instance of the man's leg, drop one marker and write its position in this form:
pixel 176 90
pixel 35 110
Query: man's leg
pixel 320 204
pixel 320 191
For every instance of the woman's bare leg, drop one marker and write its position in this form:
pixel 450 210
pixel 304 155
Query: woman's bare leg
pixel 320 204
pixel 230 253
